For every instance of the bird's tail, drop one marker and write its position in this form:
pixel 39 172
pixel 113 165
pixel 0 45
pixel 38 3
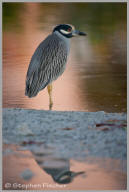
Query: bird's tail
pixel 31 89
pixel 29 92
pixel 33 86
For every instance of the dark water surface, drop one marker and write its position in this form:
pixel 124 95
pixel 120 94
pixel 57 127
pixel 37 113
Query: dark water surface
pixel 95 77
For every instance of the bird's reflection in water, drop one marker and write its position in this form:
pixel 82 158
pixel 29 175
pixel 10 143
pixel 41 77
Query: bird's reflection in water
pixel 100 173
pixel 62 177
pixel 59 169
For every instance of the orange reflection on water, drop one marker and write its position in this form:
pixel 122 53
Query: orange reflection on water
pixel 95 177
pixel 98 178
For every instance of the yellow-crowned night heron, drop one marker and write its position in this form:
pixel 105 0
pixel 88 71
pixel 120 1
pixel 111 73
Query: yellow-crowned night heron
pixel 49 60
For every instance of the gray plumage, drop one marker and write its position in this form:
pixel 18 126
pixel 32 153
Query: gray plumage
pixel 47 64
pixel 49 59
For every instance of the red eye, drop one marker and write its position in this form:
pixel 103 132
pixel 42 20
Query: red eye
pixel 69 29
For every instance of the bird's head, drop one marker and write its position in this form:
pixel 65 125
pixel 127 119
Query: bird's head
pixel 68 30
pixel 66 176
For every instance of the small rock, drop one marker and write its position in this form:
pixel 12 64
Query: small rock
pixel 27 174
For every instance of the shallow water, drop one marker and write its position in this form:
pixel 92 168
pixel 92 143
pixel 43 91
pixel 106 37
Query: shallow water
pixel 43 172
pixel 95 77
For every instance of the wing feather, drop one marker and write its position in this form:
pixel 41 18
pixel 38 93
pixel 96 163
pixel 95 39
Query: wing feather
pixel 46 65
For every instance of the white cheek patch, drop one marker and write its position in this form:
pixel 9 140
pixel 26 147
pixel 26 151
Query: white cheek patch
pixel 65 32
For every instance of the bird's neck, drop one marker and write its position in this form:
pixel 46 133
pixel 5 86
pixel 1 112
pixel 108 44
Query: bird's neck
pixel 65 40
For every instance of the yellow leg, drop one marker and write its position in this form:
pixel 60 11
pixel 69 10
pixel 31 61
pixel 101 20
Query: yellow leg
pixel 49 88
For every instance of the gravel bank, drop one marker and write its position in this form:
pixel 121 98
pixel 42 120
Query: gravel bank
pixel 67 134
